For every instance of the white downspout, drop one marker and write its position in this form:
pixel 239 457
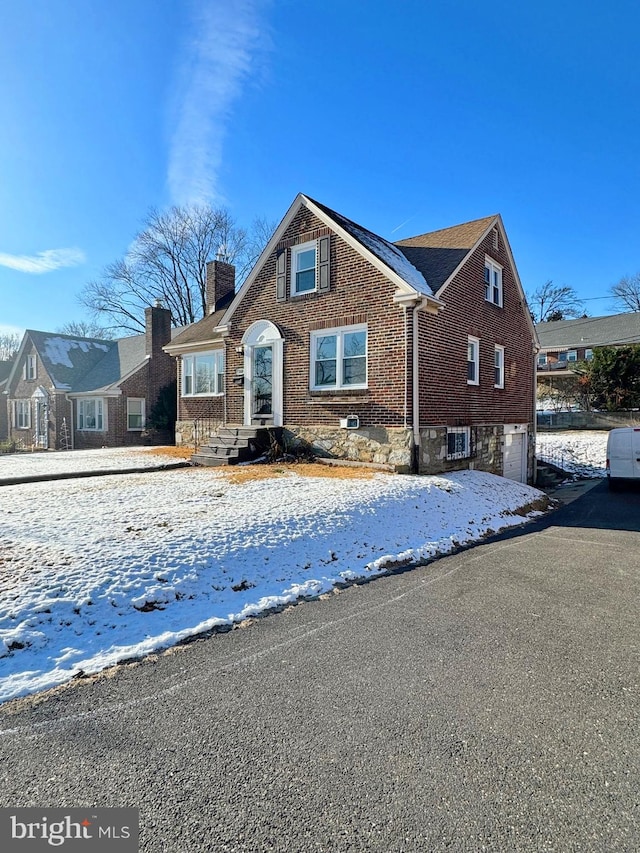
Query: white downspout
pixel 416 382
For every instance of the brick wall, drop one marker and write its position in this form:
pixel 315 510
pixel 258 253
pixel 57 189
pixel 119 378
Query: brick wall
pixel 445 396
pixel 358 294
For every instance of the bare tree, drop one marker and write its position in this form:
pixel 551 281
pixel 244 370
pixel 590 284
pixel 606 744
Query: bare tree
pixel 554 302
pixel 167 261
pixel 9 345
pixel 626 292
pixel 84 329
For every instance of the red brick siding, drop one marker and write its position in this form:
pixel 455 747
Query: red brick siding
pixel 445 396
pixel 358 294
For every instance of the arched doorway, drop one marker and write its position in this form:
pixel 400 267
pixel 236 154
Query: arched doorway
pixel 263 353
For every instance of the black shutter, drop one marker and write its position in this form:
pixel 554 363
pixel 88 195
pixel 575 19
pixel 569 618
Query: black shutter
pixel 324 278
pixel 281 275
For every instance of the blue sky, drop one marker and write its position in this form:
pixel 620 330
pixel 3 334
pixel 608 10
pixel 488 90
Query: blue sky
pixel 404 116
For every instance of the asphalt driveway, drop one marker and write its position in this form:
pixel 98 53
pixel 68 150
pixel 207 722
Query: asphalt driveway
pixel 488 701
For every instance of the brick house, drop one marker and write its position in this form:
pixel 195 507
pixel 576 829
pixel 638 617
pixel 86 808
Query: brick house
pixel 417 354
pixel 68 392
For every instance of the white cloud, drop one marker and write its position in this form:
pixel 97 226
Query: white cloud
pixel 225 50
pixel 47 261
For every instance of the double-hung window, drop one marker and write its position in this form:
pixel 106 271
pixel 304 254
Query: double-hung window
pixel 458 442
pixel 339 358
pixel 473 361
pixel 572 355
pixel 30 367
pixel 203 374
pixel 91 414
pixel 492 281
pixel 499 367
pixel 303 268
pixel 22 414
pixel 135 413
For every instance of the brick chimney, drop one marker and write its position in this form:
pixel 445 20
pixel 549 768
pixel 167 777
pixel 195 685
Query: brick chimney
pixel 157 324
pixel 221 283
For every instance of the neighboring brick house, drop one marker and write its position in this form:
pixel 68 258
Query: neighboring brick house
pixel 5 370
pixel 564 344
pixel 418 354
pixel 68 392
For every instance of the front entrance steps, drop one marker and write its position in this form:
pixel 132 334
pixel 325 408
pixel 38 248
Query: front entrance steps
pixel 235 443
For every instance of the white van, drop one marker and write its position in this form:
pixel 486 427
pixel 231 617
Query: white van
pixel 623 455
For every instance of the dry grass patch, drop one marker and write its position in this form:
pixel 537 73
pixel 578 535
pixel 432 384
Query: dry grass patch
pixel 175 452
pixel 249 473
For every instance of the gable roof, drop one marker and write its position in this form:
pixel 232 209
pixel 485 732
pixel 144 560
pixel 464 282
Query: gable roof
pixel 85 365
pixel 612 330
pixel 438 254
pixel 386 252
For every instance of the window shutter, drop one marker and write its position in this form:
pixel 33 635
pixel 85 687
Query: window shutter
pixel 281 276
pixel 324 279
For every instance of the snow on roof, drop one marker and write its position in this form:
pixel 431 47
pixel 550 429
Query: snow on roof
pixel 57 349
pixel 381 248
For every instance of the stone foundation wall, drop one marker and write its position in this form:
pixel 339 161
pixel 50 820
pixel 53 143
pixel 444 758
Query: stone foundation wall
pixel 190 432
pixel 487 449
pixel 383 446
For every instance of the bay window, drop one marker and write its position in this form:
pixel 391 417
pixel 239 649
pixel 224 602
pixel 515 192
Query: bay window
pixel 203 374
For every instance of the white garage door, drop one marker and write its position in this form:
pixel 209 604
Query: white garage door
pixel 514 456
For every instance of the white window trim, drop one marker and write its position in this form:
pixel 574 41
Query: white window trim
pixel 30 372
pixel 81 415
pixel 542 359
pixel 20 407
pixel 572 356
pixel 461 454
pixel 339 332
pixel 588 354
pixel 499 365
pixel 142 401
pixel 476 360
pixel 493 267
pixel 219 367
pixel 295 251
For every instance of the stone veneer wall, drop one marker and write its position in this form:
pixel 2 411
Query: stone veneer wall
pixel 381 445
pixel 185 431
pixel 488 455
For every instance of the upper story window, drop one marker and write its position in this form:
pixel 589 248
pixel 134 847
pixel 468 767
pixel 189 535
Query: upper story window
pixel 339 358
pixel 473 361
pixel 499 367
pixel 303 268
pixel 203 374
pixel 492 281
pixel 135 413
pixel 91 414
pixel 542 359
pixel 572 355
pixel 30 367
pixel 588 354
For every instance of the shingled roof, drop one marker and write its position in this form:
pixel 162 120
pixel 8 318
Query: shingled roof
pixel 437 254
pixel 612 330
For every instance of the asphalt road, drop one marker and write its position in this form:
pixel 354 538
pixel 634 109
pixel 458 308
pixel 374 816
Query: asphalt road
pixel 488 701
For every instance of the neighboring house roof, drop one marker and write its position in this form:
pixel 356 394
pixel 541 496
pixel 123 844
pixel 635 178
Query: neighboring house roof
pixel 5 370
pixel 438 254
pixel 86 365
pixel 613 330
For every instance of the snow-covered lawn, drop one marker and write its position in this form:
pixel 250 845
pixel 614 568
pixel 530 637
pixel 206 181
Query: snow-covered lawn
pixel 98 570
pixel 582 453
pixel 70 461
